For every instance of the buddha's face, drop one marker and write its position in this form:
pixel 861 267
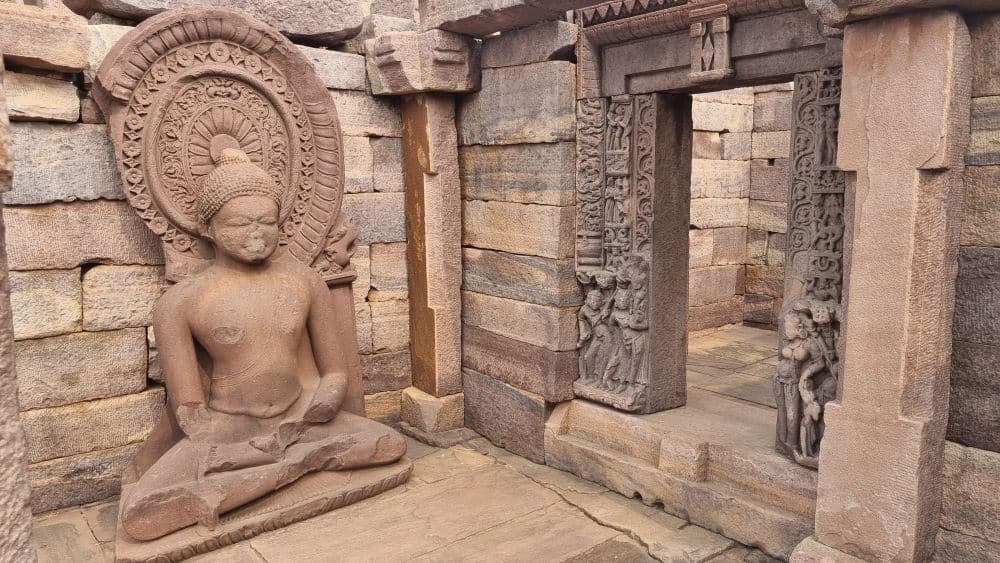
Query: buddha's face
pixel 246 229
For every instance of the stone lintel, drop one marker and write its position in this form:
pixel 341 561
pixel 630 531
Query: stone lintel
pixel 837 13
pixel 407 62
pixel 434 249
pixel 903 136
pixel 45 39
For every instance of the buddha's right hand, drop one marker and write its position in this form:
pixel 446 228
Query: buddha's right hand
pixel 195 419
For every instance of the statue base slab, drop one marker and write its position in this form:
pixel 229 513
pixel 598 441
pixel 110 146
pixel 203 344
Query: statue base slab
pixel 312 495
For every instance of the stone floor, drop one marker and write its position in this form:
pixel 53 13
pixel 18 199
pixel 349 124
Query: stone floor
pixel 476 502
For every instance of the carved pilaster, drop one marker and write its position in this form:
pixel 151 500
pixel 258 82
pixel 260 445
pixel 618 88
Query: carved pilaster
pixel 624 143
pixel 810 366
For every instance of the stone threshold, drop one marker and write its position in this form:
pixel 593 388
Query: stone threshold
pixel 711 462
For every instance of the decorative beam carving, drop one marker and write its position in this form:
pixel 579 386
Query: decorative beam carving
pixel 710 56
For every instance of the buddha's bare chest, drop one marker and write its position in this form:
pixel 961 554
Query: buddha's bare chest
pixel 260 316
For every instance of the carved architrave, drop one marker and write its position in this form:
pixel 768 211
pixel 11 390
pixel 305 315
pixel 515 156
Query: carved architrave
pixel 188 83
pixel 710 56
pixel 615 145
pixel 809 365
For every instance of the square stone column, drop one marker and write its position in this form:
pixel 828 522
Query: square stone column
pixel 15 514
pixel 903 134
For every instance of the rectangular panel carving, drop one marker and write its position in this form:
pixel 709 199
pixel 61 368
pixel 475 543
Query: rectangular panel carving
pixel 617 162
pixel 809 366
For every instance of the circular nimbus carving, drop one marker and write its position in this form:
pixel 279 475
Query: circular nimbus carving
pixel 186 84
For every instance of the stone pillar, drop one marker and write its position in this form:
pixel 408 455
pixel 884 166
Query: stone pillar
pixel 903 134
pixel 633 202
pixel 15 514
pixel 427 69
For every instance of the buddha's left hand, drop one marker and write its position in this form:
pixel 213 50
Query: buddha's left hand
pixel 326 400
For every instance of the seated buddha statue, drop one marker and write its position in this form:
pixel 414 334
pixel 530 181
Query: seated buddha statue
pixel 255 377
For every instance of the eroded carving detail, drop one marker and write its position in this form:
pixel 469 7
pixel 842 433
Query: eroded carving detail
pixel 809 365
pixel 615 141
pixel 185 92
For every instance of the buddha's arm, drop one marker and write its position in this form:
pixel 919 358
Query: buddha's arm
pixel 328 354
pixel 177 356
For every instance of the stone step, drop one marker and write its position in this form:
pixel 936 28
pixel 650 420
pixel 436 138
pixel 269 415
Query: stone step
pixel 712 462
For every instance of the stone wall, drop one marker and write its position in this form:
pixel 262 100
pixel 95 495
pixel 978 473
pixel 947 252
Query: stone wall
pixel 520 296
pixel 86 272
pixel 970 509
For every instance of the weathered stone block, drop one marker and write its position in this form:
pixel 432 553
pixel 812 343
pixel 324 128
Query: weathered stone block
pixel 103 38
pixel 758 309
pixel 36 98
pixel 542 173
pixel 49 159
pixel 974 412
pixel 363 326
pixel 120 296
pixel 981 208
pixel 79 479
pixel 765 280
pixel 482 17
pixel 377 25
pixel 706 145
pixel 778 87
pixel 985 32
pixel 362 262
pixel 770 216
pixel 984 142
pixel 771 144
pixel 337 70
pixel 498 114
pixel 700 249
pixel 713 284
pixel 544 281
pixel 757 246
pixel 742 96
pixel 554 328
pixel 720 178
pixel 777 244
pixel 547 41
pixel 80 367
pixel 432 414
pixel 95 425
pixel 45 303
pixel 359 162
pixel 519 364
pixel 736 146
pixel 969 503
pixel 951 546
pixel 379 217
pixel 432 61
pixel 388 265
pixel 729 246
pixel 361 115
pixel 324 22
pixel 154 371
pixel 538 230
pixel 504 415
pixel 46 39
pixel 385 372
pixel 388 173
pixel 62 236
pixel 977 296
pixel 383 407
pixel 772 111
pixel 730 118
pixel 710 213
pixel 717 314
pixel 770 180
pixel 394 8
pixel 390 325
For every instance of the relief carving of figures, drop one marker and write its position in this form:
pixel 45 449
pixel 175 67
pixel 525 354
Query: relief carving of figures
pixel 614 326
pixel 809 363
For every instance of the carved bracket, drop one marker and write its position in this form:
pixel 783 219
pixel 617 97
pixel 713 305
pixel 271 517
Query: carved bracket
pixel 710 38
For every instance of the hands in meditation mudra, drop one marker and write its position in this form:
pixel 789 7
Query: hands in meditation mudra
pixel 255 378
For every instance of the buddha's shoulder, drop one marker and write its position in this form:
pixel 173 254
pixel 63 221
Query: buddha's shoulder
pixel 289 266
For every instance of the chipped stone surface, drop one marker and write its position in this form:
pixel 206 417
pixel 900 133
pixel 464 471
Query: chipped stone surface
pixel 337 70
pixel 547 41
pixel 374 26
pixel 103 38
pixel 383 407
pixel 48 159
pixel 28 38
pixel 45 303
pixel 120 296
pixel 543 173
pixel 80 367
pixel 103 232
pixel 497 114
pixel 37 98
pixel 361 115
pixel 432 414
